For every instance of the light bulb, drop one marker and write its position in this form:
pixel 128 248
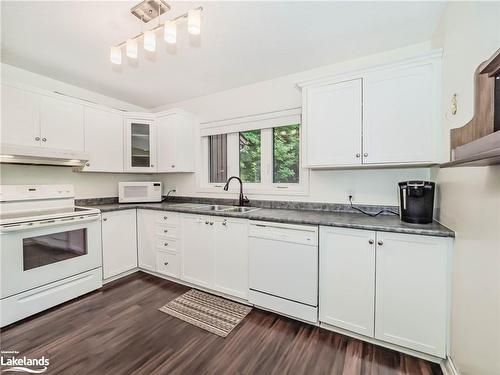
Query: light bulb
pixel 194 21
pixel 149 41
pixel 131 48
pixel 116 55
pixel 170 34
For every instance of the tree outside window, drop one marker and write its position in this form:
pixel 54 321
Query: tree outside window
pixel 286 154
pixel 250 156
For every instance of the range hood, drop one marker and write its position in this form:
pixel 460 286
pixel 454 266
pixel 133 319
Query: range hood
pixel 14 154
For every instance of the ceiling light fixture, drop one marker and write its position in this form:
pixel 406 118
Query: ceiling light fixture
pixel 132 49
pixel 150 40
pixel 170 32
pixel 194 21
pixel 116 55
pixel 146 11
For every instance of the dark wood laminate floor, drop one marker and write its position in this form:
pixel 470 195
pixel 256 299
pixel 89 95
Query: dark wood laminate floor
pixel 118 330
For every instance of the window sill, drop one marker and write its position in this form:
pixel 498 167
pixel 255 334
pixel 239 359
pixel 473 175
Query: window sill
pixel 254 191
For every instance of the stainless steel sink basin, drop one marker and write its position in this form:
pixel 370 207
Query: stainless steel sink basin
pixel 199 206
pixel 216 207
pixel 242 209
pixel 222 208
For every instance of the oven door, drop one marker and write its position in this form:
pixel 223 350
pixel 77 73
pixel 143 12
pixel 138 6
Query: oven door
pixel 44 253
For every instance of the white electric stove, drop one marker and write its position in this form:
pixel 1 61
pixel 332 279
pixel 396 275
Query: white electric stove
pixel 50 249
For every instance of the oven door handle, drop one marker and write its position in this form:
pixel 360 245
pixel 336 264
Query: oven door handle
pixel 49 223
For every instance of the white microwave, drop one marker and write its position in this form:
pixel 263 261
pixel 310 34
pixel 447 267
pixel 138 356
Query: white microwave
pixel 134 192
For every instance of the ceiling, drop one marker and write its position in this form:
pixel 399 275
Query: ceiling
pixel 240 43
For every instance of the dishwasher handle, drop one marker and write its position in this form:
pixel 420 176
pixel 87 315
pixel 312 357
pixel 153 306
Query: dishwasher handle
pixel 298 235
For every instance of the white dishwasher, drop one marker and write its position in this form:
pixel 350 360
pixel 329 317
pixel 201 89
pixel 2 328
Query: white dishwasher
pixel 283 268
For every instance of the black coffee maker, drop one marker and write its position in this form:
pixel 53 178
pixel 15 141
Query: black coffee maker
pixel 416 201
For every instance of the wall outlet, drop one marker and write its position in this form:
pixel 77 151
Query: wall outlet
pixel 350 193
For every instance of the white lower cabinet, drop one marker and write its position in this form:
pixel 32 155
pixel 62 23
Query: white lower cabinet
pixel 231 257
pixel 168 263
pixel 347 279
pixel 198 250
pixel 146 247
pixel 388 286
pixel 214 254
pixel 412 290
pixel 119 242
pixel 159 239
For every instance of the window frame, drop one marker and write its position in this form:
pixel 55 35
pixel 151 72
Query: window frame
pixel 266 186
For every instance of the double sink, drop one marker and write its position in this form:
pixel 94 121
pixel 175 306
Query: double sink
pixel 216 207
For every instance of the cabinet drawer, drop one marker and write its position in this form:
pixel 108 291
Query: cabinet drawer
pixel 167 231
pixel 167 218
pixel 166 244
pixel 167 263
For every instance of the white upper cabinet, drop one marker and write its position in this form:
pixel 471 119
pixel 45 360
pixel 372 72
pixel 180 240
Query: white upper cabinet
pixel 140 145
pixel 333 124
pixel 61 124
pixel 32 119
pixel 20 117
pixel 399 109
pixel 103 140
pixel 387 115
pixel 175 141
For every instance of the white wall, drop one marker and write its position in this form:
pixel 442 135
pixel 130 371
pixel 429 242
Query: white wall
pixel 469 198
pixel 13 74
pixel 370 186
pixel 87 185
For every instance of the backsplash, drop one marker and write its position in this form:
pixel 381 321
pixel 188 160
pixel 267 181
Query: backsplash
pixel 308 206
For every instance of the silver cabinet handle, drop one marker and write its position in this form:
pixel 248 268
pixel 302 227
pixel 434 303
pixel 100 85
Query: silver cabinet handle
pixel 211 223
pixel 152 165
pixel 165 217
pixel 37 139
pixel 173 166
pixel 165 244
pixel 87 164
pixel 365 154
pixel 358 155
pixel 104 219
pixel 207 222
pixel 44 139
pixel 165 230
pixel 224 222
pixel 380 243
pixel 371 242
pixel 166 263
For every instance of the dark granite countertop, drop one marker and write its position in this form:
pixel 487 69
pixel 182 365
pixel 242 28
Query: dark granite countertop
pixel 384 223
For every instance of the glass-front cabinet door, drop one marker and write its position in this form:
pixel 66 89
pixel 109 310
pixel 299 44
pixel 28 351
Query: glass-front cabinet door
pixel 140 141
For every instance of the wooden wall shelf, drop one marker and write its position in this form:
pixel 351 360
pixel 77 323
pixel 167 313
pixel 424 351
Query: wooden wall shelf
pixel 480 138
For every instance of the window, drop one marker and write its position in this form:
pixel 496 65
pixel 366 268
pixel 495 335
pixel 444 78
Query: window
pixel 263 150
pixel 250 156
pixel 286 154
pixel 217 158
